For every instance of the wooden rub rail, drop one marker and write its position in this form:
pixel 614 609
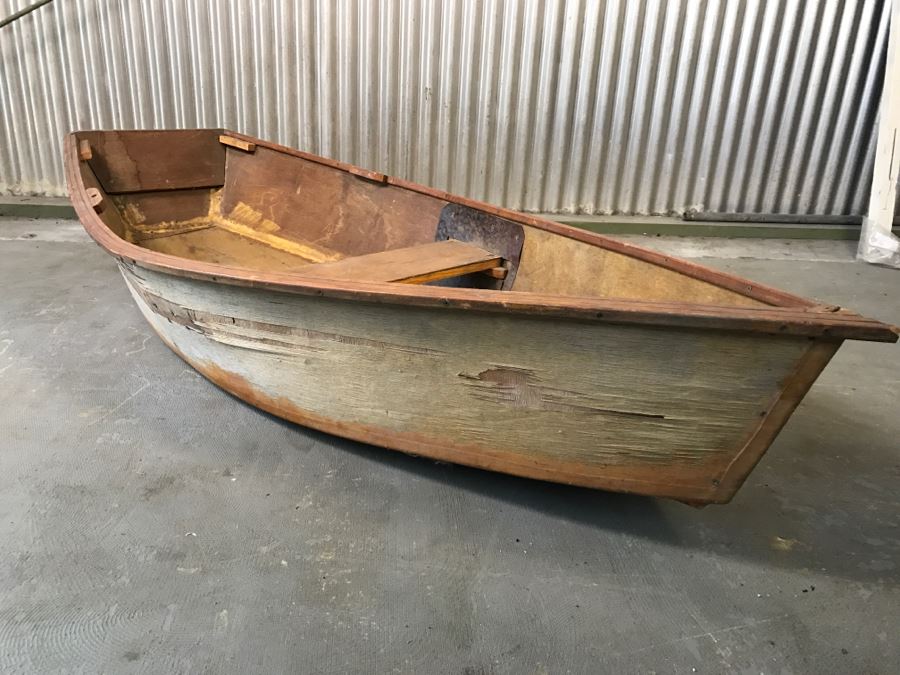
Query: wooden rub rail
pixel 411 265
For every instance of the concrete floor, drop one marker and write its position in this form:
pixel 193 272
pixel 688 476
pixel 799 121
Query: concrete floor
pixel 151 523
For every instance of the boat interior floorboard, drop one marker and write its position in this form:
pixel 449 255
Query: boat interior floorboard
pixel 215 245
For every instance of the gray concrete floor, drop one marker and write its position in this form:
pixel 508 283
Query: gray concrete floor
pixel 151 523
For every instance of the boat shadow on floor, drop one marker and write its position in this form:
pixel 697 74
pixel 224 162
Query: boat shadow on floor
pixel 785 517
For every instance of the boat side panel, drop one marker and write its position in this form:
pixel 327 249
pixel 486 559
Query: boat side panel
pixel 333 209
pixel 554 264
pixel 626 408
pixel 137 161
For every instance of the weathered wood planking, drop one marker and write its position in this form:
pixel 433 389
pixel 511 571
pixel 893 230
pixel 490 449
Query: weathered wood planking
pixel 635 408
pixel 412 265
pixel 136 161
pixel 315 203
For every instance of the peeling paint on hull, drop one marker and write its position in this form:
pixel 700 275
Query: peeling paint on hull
pixel 626 408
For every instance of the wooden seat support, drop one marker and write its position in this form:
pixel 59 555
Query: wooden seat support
pixel 412 265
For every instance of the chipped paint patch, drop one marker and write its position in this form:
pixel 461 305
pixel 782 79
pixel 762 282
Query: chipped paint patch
pixel 263 336
pixel 522 388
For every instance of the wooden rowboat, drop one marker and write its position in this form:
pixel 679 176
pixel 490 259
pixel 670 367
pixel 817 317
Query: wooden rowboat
pixel 391 313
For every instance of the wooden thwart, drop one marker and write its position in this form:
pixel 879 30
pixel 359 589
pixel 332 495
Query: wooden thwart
pixel 412 265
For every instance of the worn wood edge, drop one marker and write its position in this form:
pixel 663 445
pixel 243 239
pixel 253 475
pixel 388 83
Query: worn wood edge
pixel 569 473
pixel 95 199
pixel 795 387
pixel 84 150
pixel 450 272
pixel 772 320
pixel 368 174
pixel 238 143
pixel 740 285
pixel 477 260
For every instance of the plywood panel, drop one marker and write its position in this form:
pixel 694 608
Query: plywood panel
pixel 130 161
pixel 163 207
pixel 554 264
pixel 304 200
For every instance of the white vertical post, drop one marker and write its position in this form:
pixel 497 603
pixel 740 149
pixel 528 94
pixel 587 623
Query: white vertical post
pixel 876 243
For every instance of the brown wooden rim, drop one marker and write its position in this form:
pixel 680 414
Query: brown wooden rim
pixel 791 315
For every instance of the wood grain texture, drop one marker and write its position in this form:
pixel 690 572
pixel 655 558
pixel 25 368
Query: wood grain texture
pixel 332 209
pixel 190 224
pixel 412 265
pixel 134 161
pixel 631 408
pixel 553 264
pixel 796 386
pixel 162 208
pixel 240 144
pixel 84 150
pixel 221 247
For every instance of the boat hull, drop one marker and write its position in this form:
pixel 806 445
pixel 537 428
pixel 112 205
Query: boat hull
pixel 673 412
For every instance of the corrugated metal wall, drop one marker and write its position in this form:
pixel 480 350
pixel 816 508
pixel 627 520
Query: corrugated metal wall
pixel 576 106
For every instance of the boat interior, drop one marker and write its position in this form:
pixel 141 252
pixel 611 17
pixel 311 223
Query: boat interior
pixel 212 196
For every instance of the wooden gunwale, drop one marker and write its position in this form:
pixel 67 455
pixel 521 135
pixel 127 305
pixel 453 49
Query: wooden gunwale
pixel 794 316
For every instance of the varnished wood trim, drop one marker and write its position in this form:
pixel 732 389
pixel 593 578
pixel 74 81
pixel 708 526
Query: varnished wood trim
pixel 795 388
pixel 374 176
pixel 794 320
